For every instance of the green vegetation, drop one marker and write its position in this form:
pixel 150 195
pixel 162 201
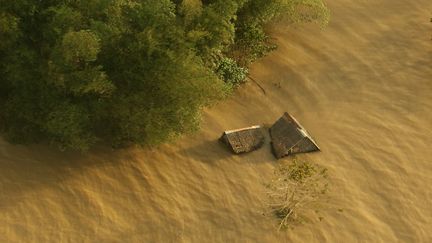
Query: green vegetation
pixel 75 72
pixel 297 189
pixel 229 71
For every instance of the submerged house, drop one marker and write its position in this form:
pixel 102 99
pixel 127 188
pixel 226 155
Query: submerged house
pixel 289 137
pixel 244 139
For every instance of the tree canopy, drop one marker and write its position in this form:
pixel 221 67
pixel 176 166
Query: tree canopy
pixel 75 72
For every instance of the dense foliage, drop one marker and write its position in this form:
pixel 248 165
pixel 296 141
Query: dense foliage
pixel 228 70
pixel 74 72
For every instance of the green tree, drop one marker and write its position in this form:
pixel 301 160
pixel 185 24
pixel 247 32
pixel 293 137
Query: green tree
pixel 120 71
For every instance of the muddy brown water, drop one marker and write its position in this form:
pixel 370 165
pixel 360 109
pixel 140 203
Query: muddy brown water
pixel 362 87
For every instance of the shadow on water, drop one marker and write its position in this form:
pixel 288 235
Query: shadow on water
pixel 214 151
pixel 209 151
pixel 27 169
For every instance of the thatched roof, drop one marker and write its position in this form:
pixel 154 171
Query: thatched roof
pixel 289 137
pixel 244 139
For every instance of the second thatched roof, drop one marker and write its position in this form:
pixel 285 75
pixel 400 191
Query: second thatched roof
pixel 289 137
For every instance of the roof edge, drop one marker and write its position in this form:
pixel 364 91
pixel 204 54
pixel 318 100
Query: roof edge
pixel 242 129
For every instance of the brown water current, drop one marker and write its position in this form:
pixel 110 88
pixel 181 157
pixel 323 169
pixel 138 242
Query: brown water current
pixel 362 87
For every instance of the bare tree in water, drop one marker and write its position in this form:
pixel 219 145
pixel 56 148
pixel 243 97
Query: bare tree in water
pixel 297 189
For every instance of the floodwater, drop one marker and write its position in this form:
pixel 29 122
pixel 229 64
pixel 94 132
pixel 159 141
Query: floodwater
pixel 363 89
